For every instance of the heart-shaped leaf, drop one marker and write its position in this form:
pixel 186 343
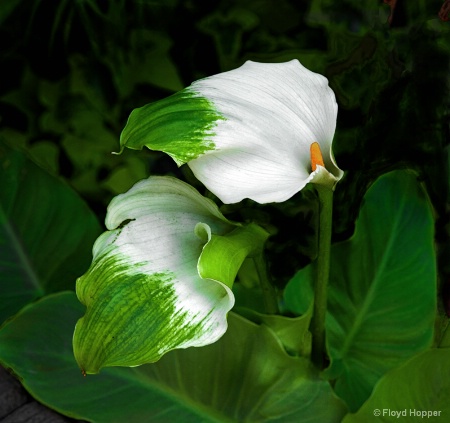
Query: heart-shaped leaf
pixel 382 290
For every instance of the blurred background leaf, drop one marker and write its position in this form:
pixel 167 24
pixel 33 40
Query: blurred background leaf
pixel 46 232
pixel 83 66
pixel 73 71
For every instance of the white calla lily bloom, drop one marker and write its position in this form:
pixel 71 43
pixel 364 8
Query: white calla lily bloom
pixel 246 133
pixel 144 294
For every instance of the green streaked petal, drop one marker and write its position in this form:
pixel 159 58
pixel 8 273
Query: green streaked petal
pixel 181 125
pixel 143 293
pixel 141 316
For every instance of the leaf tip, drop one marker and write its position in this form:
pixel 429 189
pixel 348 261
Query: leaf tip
pixel 118 153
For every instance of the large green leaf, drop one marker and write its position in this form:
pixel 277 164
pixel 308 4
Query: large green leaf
pixel 417 391
pixel 382 292
pixel 245 376
pixel 46 232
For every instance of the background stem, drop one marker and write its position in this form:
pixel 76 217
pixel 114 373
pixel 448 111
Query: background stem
pixel 321 271
pixel 268 291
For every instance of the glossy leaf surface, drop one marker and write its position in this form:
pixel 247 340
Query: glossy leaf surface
pixel 245 376
pixel 418 390
pixel 382 290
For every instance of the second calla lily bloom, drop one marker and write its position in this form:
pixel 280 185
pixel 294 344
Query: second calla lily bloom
pixel 245 133
pixel 155 283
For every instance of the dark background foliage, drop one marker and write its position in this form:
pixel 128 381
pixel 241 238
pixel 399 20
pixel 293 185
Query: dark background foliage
pixel 72 71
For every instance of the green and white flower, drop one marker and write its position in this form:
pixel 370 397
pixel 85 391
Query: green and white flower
pixel 245 133
pixel 161 275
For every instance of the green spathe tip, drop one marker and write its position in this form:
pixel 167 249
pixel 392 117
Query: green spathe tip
pixel 181 126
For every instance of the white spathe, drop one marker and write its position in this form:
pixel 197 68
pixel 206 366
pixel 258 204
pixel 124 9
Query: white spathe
pixel 161 235
pixel 272 113
pixel 143 291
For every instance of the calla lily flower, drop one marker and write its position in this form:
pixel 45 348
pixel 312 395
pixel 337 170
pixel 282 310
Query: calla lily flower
pixel 154 283
pixel 246 133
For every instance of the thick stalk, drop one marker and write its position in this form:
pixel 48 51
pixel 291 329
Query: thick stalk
pixel 322 271
pixel 268 291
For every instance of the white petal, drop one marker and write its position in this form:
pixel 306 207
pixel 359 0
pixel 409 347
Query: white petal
pixel 272 114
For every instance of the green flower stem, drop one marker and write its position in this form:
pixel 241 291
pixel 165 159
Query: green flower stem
pixel 268 290
pixel 321 271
